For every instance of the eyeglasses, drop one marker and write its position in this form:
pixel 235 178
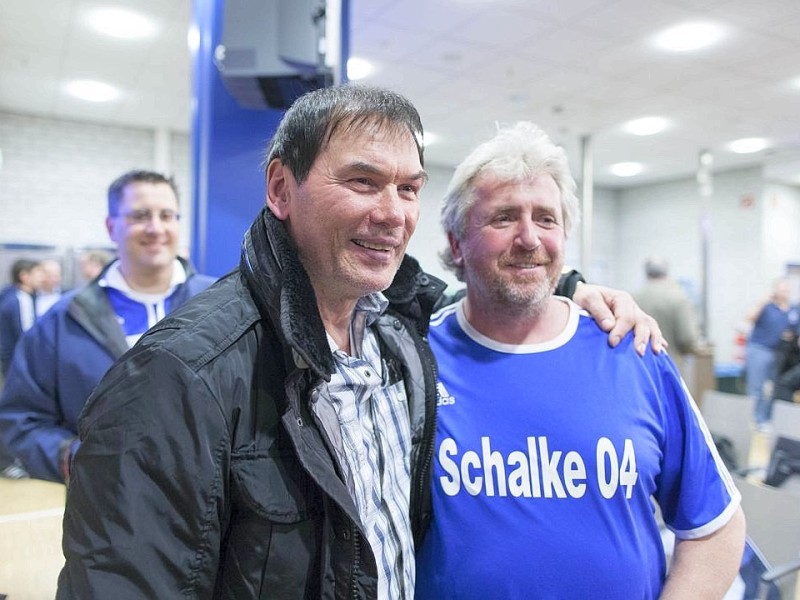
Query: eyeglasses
pixel 144 216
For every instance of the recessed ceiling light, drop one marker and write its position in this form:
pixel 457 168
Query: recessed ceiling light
pixel 91 91
pixel 646 125
pixel 689 36
pixel 358 68
pixel 121 23
pixel 626 169
pixel 796 83
pixel 747 145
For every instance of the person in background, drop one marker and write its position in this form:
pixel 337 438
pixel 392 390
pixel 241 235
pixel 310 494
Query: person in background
pixel 17 315
pixel 273 436
pixel 551 446
pixel 664 299
pixel 92 262
pixel 18 308
pixel 773 320
pixel 60 360
pixel 49 290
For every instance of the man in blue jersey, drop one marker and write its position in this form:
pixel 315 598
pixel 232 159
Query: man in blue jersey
pixel 64 355
pixel 551 446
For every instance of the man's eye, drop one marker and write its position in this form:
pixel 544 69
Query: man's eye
pixel 546 222
pixel 409 189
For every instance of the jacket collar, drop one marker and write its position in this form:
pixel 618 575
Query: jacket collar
pixel 282 291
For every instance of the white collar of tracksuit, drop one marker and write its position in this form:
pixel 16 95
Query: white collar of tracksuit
pixel 113 279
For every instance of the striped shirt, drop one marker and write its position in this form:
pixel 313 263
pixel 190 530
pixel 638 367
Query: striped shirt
pixel 372 410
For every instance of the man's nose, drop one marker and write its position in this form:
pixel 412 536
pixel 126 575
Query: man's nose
pixel 155 223
pixel 390 207
pixel 527 234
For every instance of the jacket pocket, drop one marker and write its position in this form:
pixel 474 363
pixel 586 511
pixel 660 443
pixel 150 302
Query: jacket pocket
pixel 272 488
pixel 271 547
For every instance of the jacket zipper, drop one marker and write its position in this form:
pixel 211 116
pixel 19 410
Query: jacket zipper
pixel 430 418
pixel 356 562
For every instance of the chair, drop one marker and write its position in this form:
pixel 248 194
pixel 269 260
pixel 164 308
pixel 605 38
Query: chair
pixel 773 530
pixel 784 463
pixel 786 419
pixel 728 416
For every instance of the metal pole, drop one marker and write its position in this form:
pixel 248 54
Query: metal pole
pixel 587 184
pixel 706 189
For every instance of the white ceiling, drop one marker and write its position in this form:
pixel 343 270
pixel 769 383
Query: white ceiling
pixel 576 67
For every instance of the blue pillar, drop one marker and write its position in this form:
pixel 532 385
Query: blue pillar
pixel 228 147
pixel 228 144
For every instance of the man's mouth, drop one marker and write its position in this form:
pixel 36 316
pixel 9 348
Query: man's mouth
pixel 374 245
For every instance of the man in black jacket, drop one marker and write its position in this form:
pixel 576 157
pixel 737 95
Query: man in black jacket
pixel 273 437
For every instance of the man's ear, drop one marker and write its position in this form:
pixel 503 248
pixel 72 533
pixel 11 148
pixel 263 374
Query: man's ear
pixel 110 228
pixel 279 178
pixel 455 249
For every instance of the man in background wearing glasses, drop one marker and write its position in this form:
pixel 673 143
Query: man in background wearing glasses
pixel 59 360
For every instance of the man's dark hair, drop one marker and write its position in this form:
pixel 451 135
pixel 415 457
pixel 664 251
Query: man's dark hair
pixel 315 117
pixel 20 266
pixel 656 267
pixel 118 186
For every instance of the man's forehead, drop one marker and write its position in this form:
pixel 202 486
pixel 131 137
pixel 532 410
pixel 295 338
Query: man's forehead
pixel 147 190
pixel 490 183
pixel 357 134
pixel 373 152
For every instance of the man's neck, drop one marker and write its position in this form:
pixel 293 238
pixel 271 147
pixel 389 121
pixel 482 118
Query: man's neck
pixel 337 319
pixel 532 324
pixel 153 281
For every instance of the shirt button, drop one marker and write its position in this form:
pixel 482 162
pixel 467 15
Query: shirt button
pixel 367 373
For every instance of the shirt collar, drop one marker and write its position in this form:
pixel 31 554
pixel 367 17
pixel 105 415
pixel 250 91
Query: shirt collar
pixel 113 279
pixel 367 310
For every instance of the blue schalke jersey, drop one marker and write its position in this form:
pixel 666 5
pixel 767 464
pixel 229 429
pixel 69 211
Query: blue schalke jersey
pixel 548 459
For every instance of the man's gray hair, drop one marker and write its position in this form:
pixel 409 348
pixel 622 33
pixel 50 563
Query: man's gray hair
pixel 516 152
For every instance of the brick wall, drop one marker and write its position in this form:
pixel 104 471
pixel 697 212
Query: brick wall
pixel 55 173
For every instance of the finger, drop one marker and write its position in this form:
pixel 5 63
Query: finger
pixel 624 323
pixel 647 331
pixel 602 313
pixel 592 300
pixel 657 339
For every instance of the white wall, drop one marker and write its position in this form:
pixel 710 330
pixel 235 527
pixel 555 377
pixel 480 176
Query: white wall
pixel 429 239
pixel 602 267
pixel 781 227
pixel 55 174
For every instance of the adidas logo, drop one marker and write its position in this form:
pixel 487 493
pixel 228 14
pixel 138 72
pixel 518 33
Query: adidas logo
pixel 443 397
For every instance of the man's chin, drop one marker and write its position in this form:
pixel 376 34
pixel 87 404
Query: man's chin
pixel 372 285
pixel 159 262
pixel 526 294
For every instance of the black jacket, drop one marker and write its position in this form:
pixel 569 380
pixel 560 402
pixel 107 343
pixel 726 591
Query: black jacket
pixel 202 471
